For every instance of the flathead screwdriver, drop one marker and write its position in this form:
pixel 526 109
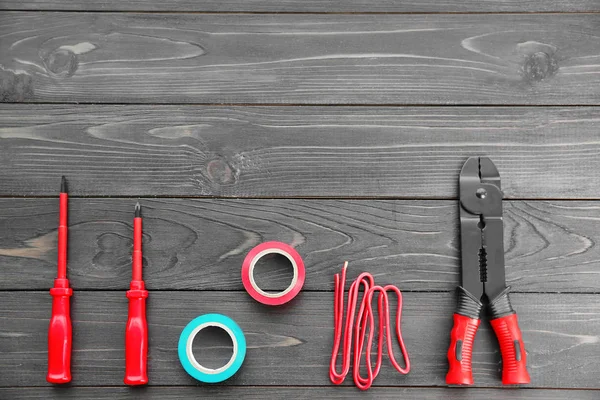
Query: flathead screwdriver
pixel 59 331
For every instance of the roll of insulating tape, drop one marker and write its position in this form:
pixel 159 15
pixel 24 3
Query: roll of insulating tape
pixel 273 299
pixel 189 362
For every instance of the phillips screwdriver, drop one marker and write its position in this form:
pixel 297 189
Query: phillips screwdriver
pixel 59 332
pixel 136 331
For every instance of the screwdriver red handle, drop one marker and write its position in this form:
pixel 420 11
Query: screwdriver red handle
pixel 136 336
pixel 460 352
pixel 514 357
pixel 60 333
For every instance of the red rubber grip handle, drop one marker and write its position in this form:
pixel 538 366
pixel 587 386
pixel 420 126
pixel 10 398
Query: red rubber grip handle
pixel 60 334
pixel 460 352
pixel 136 336
pixel 514 357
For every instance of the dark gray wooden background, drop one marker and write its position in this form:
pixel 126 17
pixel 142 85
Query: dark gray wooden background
pixel 336 126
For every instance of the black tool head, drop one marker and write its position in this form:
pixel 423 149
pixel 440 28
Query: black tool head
pixel 63 184
pixel 482 247
pixel 479 183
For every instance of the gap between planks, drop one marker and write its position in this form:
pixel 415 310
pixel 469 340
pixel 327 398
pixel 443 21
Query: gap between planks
pixel 357 198
pixel 102 11
pixel 110 290
pixel 339 105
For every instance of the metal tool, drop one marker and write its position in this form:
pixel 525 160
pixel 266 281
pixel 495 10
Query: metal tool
pixel 483 273
pixel 136 331
pixel 60 331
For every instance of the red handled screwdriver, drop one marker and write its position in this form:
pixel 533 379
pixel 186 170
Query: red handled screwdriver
pixel 59 332
pixel 136 332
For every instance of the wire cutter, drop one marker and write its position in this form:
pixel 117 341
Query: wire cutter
pixel 482 250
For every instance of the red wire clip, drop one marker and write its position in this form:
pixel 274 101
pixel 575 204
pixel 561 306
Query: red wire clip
pixel 365 316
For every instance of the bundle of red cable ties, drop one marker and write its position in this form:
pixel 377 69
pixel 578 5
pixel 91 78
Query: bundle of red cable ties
pixel 364 319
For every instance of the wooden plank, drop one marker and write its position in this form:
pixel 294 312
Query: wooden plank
pixel 304 59
pixel 299 393
pixel 308 5
pixel 291 345
pixel 200 244
pixel 541 152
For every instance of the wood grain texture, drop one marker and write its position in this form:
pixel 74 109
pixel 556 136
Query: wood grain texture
pixel 304 59
pixel 308 5
pixel 291 345
pixel 550 246
pixel 193 248
pixel 299 393
pixel 541 152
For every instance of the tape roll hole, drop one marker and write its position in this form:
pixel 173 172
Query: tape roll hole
pixel 271 266
pixel 213 348
pixel 271 271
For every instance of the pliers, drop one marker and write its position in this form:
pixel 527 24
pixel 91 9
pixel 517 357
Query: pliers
pixel 482 251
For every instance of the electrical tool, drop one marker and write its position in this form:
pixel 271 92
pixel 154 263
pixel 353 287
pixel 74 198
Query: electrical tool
pixel 482 251
pixel 189 362
pixel 365 316
pixel 136 331
pixel 273 299
pixel 60 331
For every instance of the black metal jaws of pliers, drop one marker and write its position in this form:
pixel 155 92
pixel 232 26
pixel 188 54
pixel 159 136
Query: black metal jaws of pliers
pixel 481 230
pixel 482 251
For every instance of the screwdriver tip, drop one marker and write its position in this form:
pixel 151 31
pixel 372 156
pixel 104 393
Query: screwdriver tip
pixel 138 210
pixel 63 184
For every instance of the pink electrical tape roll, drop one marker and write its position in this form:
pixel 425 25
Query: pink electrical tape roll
pixel 273 299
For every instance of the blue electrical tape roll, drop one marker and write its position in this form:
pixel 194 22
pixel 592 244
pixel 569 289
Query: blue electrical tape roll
pixel 193 367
